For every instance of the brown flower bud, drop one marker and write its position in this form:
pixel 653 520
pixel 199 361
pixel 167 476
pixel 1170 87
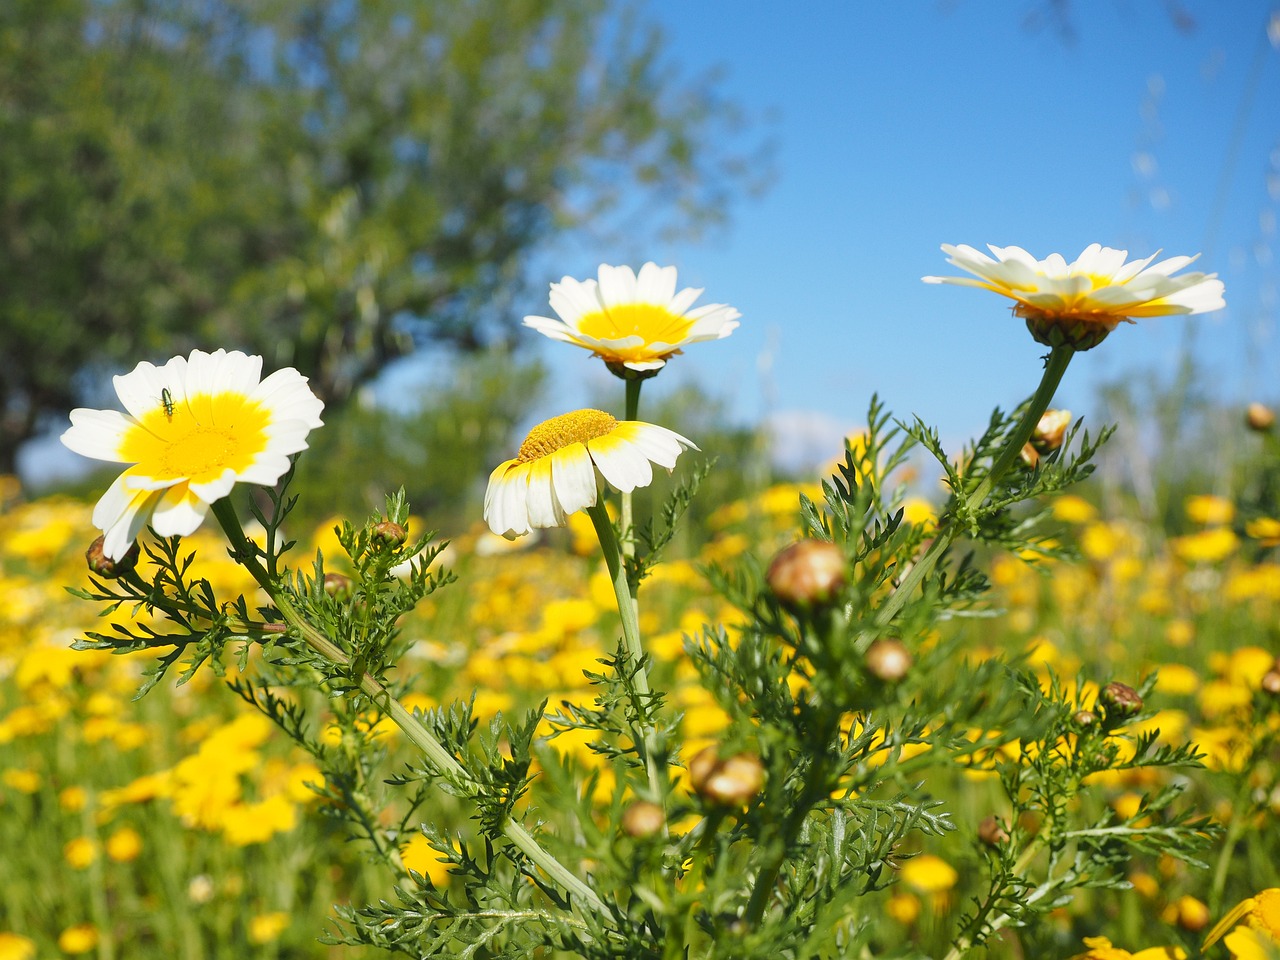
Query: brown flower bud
pixel 104 566
pixel 1259 417
pixel 1120 699
pixel 729 782
pixel 389 533
pixel 888 660
pixel 642 819
pixel 807 574
pixel 337 585
pixel 1084 719
pixel 1271 682
pixel 992 832
pixel 1050 430
pixel 1029 455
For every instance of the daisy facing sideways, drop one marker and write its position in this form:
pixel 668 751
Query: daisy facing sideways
pixel 192 430
pixel 1081 302
pixel 554 474
pixel 632 322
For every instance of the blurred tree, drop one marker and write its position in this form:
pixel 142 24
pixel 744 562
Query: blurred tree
pixel 329 184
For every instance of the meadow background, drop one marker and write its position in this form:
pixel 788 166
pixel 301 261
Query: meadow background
pixel 308 184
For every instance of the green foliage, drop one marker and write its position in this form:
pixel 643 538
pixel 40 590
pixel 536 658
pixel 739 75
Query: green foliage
pixel 329 186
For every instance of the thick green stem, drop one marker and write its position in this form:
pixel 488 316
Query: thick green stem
pixel 444 762
pixel 1054 368
pixel 628 518
pixel 621 590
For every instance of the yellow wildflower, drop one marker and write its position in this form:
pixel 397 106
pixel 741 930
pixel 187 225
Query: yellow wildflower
pixel 1209 511
pixel 266 927
pixel 1259 935
pixel 1100 948
pixel 419 856
pixel 929 874
pixel 1208 546
pixel 80 852
pixel 81 938
pixel 1264 529
pixel 124 845
pixel 14 946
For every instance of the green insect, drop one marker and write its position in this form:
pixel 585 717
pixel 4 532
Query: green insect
pixel 166 398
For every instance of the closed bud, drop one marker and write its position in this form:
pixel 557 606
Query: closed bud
pixel 1259 417
pixel 1029 455
pixel 1271 682
pixel 807 574
pixel 733 781
pixel 888 660
pixel 389 533
pixel 992 832
pixel 337 585
pixel 642 819
pixel 1120 699
pixel 1084 719
pixel 1050 430
pixel 104 566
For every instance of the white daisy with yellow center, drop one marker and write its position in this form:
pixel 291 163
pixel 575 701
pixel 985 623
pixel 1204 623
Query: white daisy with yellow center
pixel 554 474
pixel 194 428
pixel 1081 302
pixel 633 321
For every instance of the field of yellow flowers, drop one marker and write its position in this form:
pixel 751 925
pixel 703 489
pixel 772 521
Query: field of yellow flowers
pixel 181 825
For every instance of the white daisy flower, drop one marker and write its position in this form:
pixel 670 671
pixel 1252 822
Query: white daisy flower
pixel 633 322
pixel 193 429
pixel 554 474
pixel 1081 302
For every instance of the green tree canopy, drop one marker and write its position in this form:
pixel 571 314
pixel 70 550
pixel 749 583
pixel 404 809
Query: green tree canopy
pixel 330 185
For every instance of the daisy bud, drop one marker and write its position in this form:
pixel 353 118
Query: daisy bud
pixel 1259 417
pixel 1271 682
pixel 888 660
pixel 807 574
pixel 388 533
pixel 337 585
pixel 992 832
pixel 1120 699
pixel 104 566
pixel 642 819
pixel 1050 430
pixel 1084 719
pixel 1029 456
pixel 730 782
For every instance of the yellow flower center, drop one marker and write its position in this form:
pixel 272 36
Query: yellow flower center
pixel 650 322
pixel 576 427
pixel 198 438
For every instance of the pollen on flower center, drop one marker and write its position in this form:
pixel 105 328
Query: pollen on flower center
pixel 203 451
pixel 576 427
pixel 651 322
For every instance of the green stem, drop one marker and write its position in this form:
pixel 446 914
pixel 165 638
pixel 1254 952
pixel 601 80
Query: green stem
pixel 622 591
pixel 1054 368
pixel 444 762
pixel 627 518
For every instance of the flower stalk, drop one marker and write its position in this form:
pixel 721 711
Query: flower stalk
pixel 443 761
pixel 1055 367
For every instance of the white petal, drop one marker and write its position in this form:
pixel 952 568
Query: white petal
pixel 574 477
pixel 178 512
pixel 544 509
pixel 121 514
pixel 286 394
pixel 96 433
pixel 617 285
pixel 620 462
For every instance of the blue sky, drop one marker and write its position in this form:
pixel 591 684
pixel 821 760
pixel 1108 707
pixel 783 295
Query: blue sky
pixel 901 126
